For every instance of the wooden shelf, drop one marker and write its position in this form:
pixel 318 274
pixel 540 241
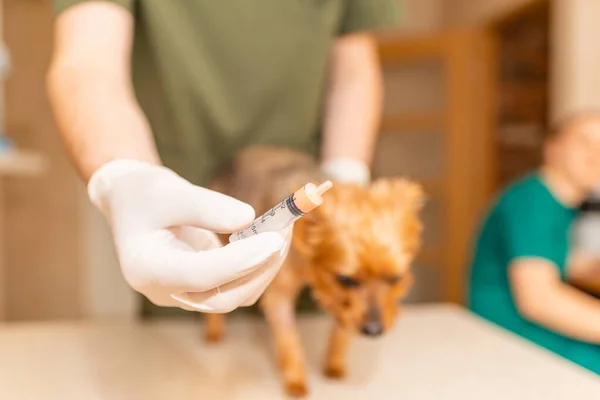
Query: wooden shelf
pixel 17 162
pixel 395 47
pixel 422 122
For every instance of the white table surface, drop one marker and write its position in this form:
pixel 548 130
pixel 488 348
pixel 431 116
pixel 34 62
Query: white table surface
pixel 435 352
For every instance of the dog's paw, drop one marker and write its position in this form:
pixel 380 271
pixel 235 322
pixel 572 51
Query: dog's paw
pixel 296 389
pixel 335 371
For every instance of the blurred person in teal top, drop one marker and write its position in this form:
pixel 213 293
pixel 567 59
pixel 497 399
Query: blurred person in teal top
pixel 523 259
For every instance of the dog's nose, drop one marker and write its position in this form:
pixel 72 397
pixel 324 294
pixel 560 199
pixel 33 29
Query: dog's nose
pixel 372 328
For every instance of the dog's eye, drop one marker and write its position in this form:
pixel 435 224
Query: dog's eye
pixel 347 281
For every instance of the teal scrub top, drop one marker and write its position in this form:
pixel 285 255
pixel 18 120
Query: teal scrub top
pixel 526 221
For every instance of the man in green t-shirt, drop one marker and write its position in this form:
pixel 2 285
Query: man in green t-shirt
pixel 153 97
pixel 523 259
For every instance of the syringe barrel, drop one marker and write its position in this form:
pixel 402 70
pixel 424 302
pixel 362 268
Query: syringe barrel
pixel 277 218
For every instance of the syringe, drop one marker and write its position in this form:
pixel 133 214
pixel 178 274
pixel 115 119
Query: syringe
pixel 295 206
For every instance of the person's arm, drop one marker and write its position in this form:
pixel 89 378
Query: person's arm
pixel 537 288
pixel 90 88
pixel 353 107
pixel 162 224
pixel 541 297
pixel 354 96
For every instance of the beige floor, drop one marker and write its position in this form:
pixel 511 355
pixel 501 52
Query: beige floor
pixel 436 352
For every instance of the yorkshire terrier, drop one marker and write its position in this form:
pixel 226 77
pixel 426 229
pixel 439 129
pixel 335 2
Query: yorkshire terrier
pixel 354 252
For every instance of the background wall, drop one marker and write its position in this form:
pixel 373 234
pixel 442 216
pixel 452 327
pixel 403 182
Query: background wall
pixel 575 56
pixel 42 215
pixel 421 16
pixel 59 254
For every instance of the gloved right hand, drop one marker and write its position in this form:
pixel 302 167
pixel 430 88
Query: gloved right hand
pixel 163 228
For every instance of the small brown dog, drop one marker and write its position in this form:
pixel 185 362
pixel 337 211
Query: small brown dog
pixel 354 252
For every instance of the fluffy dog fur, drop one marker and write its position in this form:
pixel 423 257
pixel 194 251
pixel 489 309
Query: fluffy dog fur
pixel 354 252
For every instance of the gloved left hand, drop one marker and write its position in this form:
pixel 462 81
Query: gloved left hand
pixel 347 170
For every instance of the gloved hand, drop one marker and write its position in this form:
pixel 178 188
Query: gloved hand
pixel 347 170
pixel 163 232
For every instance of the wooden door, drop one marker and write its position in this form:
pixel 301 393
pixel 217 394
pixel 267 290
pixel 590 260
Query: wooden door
pixel 436 130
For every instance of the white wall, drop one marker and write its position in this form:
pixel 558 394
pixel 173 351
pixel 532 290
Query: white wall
pixel 575 56
pixel 105 294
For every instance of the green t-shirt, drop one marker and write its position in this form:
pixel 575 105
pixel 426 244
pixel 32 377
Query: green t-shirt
pixel 214 76
pixel 526 221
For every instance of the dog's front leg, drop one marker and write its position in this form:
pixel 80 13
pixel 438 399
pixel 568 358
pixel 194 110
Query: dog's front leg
pixel 278 304
pixel 335 363
pixel 214 326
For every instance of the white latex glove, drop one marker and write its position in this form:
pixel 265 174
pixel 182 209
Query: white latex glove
pixel 163 232
pixel 347 170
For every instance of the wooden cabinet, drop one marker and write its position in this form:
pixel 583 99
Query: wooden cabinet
pixel 523 46
pixel 436 129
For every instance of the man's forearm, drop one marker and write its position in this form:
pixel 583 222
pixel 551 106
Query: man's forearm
pixel 354 99
pixel 568 311
pixel 98 118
